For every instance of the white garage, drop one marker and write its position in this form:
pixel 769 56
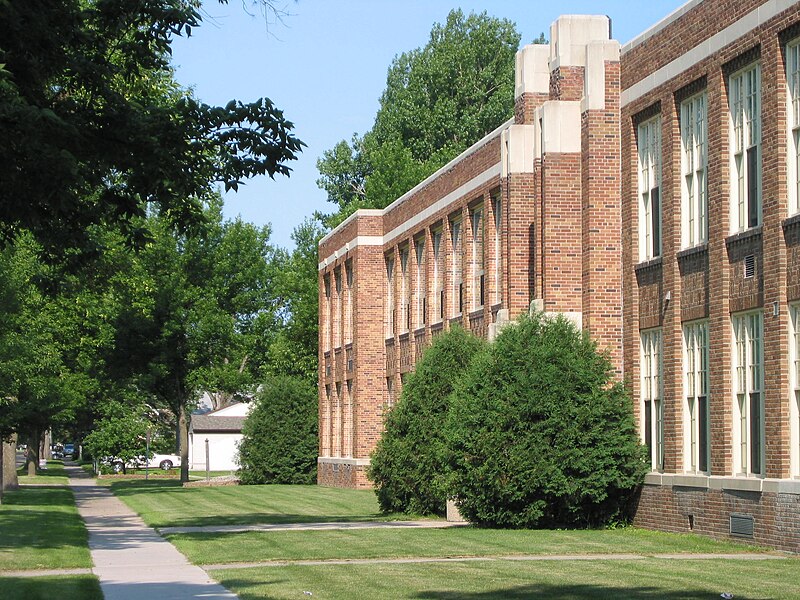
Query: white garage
pixel 223 431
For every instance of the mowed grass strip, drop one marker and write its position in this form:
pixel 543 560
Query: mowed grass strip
pixel 64 587
pixel 644 579
pixel 40 529
pixel 167 504
pixel 252 546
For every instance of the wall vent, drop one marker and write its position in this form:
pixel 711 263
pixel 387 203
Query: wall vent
pixel 749 266
pixel 742 525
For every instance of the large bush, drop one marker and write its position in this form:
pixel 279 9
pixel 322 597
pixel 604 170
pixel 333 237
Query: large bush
pixel 279 442
pixel 539 433
pixel 409 464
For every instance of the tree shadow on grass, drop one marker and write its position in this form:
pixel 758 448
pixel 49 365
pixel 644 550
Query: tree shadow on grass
pixel 577 592
pixel 67 587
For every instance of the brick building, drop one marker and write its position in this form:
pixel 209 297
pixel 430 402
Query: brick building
pixel 651 193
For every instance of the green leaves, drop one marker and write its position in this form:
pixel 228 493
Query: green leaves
pixel 88 99
pixel 279 442
pixel 438 100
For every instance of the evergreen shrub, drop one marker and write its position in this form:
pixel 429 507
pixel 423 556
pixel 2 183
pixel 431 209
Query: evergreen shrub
pixel 279 436
pixel 539 433
pixel 408 467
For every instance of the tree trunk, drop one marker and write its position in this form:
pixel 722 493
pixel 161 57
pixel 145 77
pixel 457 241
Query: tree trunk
pixel 183 441
pixel 32 456
pixel 8 465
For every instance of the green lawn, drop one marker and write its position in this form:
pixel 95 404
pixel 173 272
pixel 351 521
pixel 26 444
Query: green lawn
pixel 645 579
pixel 165 504
pixel 66 587
pixel 209 548
pixel 53 475
pixel 40 529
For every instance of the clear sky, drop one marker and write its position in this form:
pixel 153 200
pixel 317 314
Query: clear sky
pixel 325 67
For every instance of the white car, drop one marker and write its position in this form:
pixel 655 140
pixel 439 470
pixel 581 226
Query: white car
pixel 162 461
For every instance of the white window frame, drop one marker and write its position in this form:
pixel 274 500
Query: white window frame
pixel 651 402
pixel 438 276
pixel 348 320
pixel 650 197
pixel 497 206
pixel 744 103
pixel 794 378
pixel 478 258
pixel 694 167
pixel 457 241
pixel 421 282
pixel 390 299
pixel 748 389
pixel 793 123
pixel 696 418
pixel 405 299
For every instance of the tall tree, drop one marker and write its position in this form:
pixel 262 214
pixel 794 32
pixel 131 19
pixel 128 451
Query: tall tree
pixel 87 97
pixel 294 349
pixel 201 310
pixel 438 100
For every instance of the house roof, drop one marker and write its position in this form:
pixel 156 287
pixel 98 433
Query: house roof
pixel 215 423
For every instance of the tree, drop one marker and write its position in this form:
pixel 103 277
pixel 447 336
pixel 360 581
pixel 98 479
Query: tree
pixel 294 350
pixel 120 433
pixel 438 100
pixel 540 435
pixel 279 443
pixel 87 97
pixel 410 464
pixel 198 308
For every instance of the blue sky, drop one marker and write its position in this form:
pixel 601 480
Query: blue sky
pixel 325 67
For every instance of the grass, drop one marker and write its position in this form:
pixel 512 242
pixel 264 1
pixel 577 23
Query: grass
pixel 65 587
pixel 645 579
pixel 53 475
pixel 40 529
pixel 253 546
pixel 166 504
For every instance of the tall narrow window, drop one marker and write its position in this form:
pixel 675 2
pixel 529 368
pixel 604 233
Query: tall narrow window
pixel 745 107
pixel 348 308
pixel 478 264
pixel 498 250
pixel 794 357
pixel 420 285
pixel 458 264
pixel 649 146
pixel 326 331
pixel 337 308
pixel 696 419
pixel 793 81
pixel 390 303
pixel 652 405
pixel 749 401
pixel 694 160
pixel 438 276
pixel 405 304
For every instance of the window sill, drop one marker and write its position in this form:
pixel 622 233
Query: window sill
pixel 649 264
pixel 692 251
pixel 792 221
pixel 743 236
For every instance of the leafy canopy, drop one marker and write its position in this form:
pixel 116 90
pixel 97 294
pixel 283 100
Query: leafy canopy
pixel 95 128
pixel 438 100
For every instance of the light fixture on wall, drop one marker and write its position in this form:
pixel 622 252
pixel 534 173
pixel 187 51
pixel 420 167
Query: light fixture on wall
pixel 776 309
pixel 667 299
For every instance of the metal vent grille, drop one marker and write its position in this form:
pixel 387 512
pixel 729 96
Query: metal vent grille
pixel 749 266
pixel 742 525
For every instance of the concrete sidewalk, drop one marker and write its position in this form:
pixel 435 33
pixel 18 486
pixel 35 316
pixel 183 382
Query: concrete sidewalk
pixel 131 560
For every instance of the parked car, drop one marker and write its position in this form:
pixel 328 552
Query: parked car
pixel 161 461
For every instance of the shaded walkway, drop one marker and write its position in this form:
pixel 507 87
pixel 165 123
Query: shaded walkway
pixel 131 560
